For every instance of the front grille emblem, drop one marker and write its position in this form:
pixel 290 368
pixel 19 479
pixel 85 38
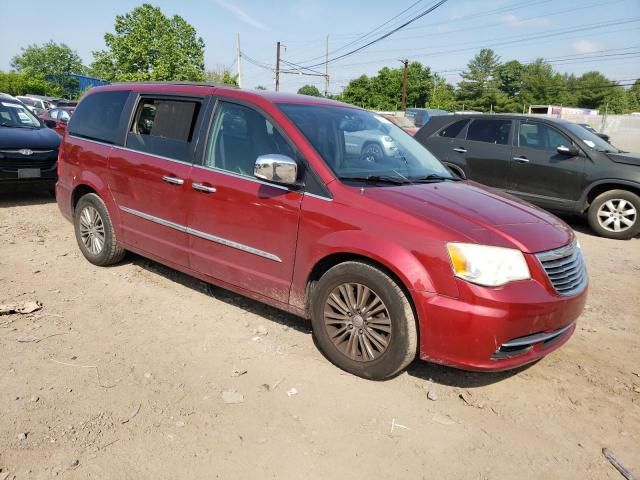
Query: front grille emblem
pixel 25 151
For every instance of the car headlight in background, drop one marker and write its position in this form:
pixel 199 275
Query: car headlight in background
pixel 486 265
pixel 387 139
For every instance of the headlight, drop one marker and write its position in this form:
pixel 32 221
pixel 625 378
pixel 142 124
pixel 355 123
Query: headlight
pixel 387 139
pixel 485 265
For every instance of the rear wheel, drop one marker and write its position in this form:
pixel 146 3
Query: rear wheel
pixel 615 214
pixel 95 234
pixel 363 321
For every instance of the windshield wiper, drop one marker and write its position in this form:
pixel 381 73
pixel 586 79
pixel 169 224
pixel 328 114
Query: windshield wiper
pixel 434 178
pixel 379 179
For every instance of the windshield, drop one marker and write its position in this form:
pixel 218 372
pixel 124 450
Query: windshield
pixel 402 122
pixel 590 139
pixel 17 115
pixel 360 145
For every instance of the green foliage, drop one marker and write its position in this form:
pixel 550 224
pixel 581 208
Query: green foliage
pixel 384 91
pixel 478 88
pixel 147 45
pixel 15 83
pixel 633 96
pixel 223 76
pixel 310 90
pixel 52 62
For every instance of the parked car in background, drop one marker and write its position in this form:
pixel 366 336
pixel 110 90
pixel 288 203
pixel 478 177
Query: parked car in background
pixel 603 136
pixel 401 121
pixel 28 150
pixel 552 163
pixel 36 105
pixel 258 192
pixel 57 118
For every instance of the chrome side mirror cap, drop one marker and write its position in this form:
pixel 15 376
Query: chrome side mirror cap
pixel 570 151
pixel 276 168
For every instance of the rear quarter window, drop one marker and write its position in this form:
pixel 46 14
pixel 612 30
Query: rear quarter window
pixel 97 117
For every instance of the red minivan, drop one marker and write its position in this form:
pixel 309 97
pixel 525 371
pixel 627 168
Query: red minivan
pixel 275 196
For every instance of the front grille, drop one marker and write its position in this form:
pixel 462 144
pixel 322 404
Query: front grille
pixel 565 268
pixel 12 160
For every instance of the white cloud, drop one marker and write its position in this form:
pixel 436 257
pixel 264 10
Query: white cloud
pixel 515 21
pixel 242 15
pixel 585 46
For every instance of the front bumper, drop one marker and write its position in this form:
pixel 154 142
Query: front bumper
pixel 493 329
pixel 42 168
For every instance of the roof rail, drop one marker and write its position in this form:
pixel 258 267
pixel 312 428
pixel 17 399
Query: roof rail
pixel 181 82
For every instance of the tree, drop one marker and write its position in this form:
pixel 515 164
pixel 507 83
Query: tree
pixel 593 89
pixel 223 76
pixel 15 83
pixel 310 90
pixel 147 45
pixel 478 88
pixel 52 62
pixel 357 92
pixel 633 97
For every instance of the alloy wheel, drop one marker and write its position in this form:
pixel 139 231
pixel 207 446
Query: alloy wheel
pixel 92 230
pixel 357 322
pixel 617 215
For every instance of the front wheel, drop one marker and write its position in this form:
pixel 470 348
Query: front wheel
pixel 372 152
pixel 614 214
pixel 363 321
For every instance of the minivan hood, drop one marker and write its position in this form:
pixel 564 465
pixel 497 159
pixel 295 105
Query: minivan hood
pixel 478 214
pixel 32 138
pixel 627 157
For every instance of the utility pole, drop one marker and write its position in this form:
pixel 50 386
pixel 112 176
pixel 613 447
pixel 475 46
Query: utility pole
pixel 405 62
pixel 326 69
pixel 278 67
pixel 239 60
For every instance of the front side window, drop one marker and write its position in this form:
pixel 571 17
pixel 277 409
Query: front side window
pixel 239 135
pixel 164 127
pixel 490 131
pixel 590 139
pixel 360 145
pixel 540 136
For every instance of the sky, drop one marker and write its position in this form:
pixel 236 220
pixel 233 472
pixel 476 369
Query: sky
pixel 574 35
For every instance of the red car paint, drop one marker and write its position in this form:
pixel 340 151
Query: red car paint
pixel 57 124
pixel 404 229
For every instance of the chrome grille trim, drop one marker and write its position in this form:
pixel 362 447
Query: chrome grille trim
pixel 565 269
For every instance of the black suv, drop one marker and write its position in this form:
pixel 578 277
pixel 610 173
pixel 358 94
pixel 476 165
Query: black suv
pixel 552 163
pixel 28 150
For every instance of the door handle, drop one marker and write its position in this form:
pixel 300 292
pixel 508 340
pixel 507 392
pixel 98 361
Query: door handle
pixel 460 150
pixel 203 188
pixel 173 180
pixel 521 159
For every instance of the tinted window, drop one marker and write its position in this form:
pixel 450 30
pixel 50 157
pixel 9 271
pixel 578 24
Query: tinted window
pixel 164 127
pixel 98 115
pixel 490 131
pixel 239 136
pixel 454 129
pixel 541 136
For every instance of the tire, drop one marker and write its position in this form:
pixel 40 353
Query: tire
pixel 615 214
pixel 372 152
pixel 396 324
pixel 94 232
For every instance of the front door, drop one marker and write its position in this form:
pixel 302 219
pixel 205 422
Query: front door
pixel 242 231
pixel 485 152
pixel 149 177
pixel 538 173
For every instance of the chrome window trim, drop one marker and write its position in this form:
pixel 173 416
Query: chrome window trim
pixel 203 235
pixel 319 197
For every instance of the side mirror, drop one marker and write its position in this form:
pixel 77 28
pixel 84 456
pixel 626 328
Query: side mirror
pixel 570 151
pixel 276 168
pixel 50 123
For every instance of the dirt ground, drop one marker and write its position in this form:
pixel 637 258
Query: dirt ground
pixel 122 374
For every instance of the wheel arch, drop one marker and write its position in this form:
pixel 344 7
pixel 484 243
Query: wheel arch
pixel 602 186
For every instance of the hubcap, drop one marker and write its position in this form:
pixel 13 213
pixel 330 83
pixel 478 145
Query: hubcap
pixel 372 153
pixel 92 230
pixel 617 215
pixel 357 322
